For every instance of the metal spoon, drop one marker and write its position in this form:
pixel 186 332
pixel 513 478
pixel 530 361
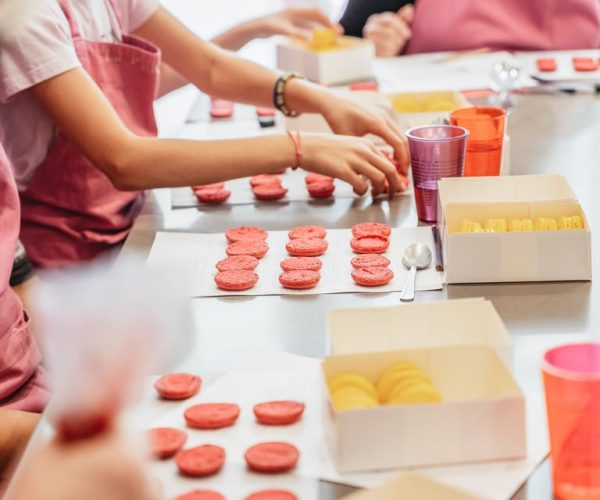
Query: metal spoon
pixel 505 77
pixel 416 257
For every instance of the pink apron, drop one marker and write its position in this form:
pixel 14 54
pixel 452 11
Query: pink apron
pixel 441 25
pixel 21 378
pixel 71 212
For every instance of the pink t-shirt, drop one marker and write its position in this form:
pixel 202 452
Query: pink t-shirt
pixel 42 49
pixel 505 25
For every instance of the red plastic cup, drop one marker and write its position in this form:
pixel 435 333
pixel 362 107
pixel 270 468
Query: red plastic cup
pixel 436 151
pixel 572 385
pixel 484 146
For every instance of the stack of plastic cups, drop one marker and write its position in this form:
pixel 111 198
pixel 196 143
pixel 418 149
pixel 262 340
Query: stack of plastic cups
pixel 484 146
pixel 572 385
pixel 436 151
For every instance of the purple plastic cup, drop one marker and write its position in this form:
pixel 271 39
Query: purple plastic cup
pixel 436 151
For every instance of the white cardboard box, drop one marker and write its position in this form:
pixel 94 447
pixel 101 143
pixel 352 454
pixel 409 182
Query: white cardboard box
pixel 411 486
pixel 512 257
pixel 447 323
pixel 481 416
pixel 352 61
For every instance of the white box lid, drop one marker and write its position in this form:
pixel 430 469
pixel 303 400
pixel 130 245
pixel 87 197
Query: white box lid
pixel 413 326
pixel 505 189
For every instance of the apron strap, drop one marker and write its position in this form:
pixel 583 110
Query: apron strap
pixel 66 8
pixel 75 33
pixel 117 12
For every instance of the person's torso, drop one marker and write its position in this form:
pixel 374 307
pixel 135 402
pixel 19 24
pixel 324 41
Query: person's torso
pixel 20 383
pixel 442 25
pixel 26 130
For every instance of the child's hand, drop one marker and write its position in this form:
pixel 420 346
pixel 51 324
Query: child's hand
pixel 294 22
pixel 348 118
pixel 390 31
pixel 96 468
pixel 352 159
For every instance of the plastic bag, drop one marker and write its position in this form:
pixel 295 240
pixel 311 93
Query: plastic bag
pixel 103 329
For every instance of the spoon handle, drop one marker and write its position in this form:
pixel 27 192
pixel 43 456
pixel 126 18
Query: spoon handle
pixel 408 292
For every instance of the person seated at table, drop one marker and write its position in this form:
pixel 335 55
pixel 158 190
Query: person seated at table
pixel 76 119
pixel 449 25
pixel 23 393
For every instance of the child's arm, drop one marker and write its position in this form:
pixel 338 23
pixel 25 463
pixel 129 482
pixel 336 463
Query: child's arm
pixel 83 113
pixel 16 428
pixel 294 22
pixel 222 74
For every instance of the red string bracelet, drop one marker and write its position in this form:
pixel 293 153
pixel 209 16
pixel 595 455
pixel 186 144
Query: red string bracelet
pixel 295 136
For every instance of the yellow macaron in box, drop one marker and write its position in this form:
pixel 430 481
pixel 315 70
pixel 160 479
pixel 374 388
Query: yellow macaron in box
pixel 500 225
pixel 400 383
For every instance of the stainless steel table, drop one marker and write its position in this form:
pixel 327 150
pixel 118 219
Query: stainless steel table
pixel 549 134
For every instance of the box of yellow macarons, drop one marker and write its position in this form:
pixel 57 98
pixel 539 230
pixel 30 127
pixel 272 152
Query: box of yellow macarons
pixel 419 385
pixel 513 229
pixel 328 58
pixel 414 109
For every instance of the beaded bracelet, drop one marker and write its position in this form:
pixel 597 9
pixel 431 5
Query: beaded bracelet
pixel 279 101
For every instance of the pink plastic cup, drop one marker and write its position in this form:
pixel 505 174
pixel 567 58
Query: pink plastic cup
pixel 572 385
pixel 436 151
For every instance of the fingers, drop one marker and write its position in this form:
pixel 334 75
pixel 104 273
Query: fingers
pixel 407 13
pixel 310 14
pixel 359 184
pixel 389 32
pixel 384 44
pixel 395 184
pixel 296 32
pixel 401 151
pixel 390 133
pixel 377 178
pixel 389 24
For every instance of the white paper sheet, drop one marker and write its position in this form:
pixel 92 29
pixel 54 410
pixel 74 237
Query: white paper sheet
pixel 442 71
pixel 497 480
pixel 565 73
pixel 188 261
pixel 241 193
pixel 242 124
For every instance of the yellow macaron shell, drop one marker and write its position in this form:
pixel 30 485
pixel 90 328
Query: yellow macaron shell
pixel 401 385
pixel 406 104
pixel 352 380
pixel 323 39
pixel 527 224
pixel 438 104
pixel 576 222
pixel 348 398
pixel 389 379
pixel 495 225
pixel 515 225
pixel 404 365
pixel 565 223
pixel 416 394
pixel 386 384
pixel 465 226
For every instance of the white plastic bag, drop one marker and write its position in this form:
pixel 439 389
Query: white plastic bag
pixel 103 329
